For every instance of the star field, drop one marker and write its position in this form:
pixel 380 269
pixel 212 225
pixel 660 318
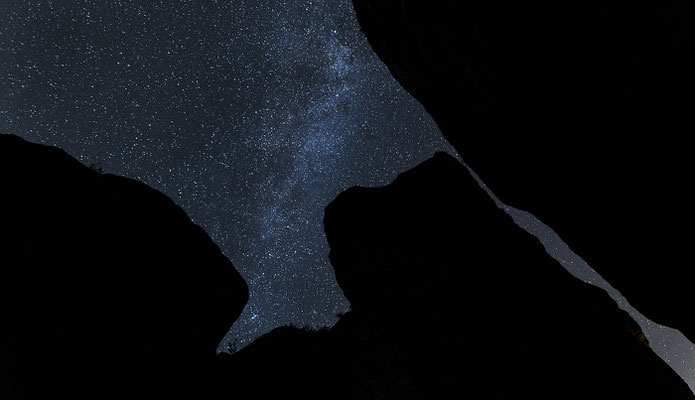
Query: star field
pixel 252 115
pixel 669 344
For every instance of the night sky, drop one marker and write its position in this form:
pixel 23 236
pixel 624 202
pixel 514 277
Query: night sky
pixel 251 115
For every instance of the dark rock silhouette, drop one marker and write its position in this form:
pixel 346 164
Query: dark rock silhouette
pixel 576 112
pixel 451 299
pixel 108 290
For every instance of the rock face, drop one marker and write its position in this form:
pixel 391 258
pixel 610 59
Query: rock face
pixel 574 112
pixel 451 299
pixel 108 290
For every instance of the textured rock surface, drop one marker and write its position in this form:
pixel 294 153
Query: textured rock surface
pixel 107 288
pixel 451 299
pixel 575 112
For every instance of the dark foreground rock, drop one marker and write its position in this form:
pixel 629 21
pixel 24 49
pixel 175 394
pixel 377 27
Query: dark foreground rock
pixel 451 299
pixel 576 112
pixel 107 289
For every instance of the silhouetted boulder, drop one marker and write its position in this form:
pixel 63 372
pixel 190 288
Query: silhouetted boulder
pixel 108 290
pixel 451 299
pixel 576 112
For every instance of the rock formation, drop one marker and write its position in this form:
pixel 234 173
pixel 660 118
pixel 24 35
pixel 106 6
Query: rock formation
pixel 451 299
pixel 576 112
pixel 107 288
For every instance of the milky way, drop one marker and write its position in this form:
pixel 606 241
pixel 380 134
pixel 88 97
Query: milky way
pixel 251 115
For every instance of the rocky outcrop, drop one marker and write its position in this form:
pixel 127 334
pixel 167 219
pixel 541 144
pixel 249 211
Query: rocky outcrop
pixel 451 299
pixel 574 112
pixel 107 288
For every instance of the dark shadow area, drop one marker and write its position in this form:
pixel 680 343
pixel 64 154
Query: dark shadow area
pixel 577 113
pixel 108 290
